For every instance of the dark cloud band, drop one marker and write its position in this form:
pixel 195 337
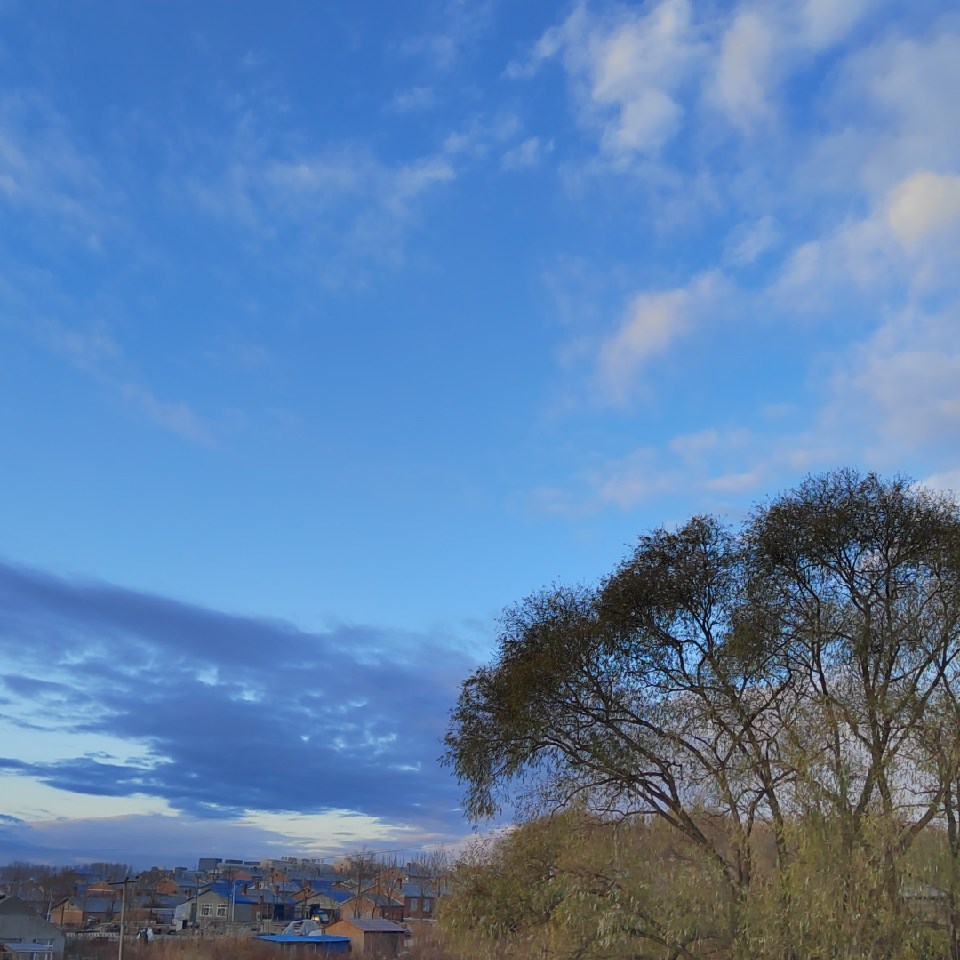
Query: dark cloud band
pixel 231 713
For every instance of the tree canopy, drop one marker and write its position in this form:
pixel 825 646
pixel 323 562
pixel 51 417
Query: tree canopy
pixel 759 690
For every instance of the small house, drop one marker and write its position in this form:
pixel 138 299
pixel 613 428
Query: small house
pixel 381 938
pixel 25 935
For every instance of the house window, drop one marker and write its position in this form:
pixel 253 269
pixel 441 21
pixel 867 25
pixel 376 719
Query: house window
pixel 426 904
pixel 221 909
pixel 414 904
pixel 206 910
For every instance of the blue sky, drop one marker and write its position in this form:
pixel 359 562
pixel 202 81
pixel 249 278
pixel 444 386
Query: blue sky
pixel 329 329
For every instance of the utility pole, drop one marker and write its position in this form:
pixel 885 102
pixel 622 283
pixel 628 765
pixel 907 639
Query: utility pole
pixel 123 909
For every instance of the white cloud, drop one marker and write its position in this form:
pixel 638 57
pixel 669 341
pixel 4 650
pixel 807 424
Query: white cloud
pixel 747 481
pixel 344 203
pixel 944 480
pixel 627 69
pixel 905 246
pixel 825 22
pixel 764 43
pixel 178 418
pixel 252 59
pixel 636 70
pixel 700 465
pixel 460 24
pixel 329 176
pixel 900 388
pixel 97 354
pixel 856 259
pixel 877 199
pixel 86 351
pixel 750 240
pixel 924 203
pixel 43 172
pixel 415 178
pixel 745 69
pixel 632 480
pixel 416 98
pixel 526 155
pixel 889 109
pixel 649 325
pixel 694 447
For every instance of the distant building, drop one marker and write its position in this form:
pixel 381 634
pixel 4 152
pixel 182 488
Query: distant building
pixel 25 935
pixel 205 864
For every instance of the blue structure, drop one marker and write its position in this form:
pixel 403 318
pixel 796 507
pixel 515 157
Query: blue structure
pixel 290 942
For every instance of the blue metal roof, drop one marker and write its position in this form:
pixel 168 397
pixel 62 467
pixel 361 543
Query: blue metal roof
pixel 293 938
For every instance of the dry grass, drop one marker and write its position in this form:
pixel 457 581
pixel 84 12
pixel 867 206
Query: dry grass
pixel 425 947
pixel 189 948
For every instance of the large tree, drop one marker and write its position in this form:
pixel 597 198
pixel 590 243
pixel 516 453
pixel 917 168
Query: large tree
pixel 751 688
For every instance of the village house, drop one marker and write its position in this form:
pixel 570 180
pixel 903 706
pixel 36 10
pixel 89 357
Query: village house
pixel 274 905
pixel 323 907
pixel 74 913
pixel 25 935
pixel 378 937
pixel 418 902
pixel 214 908
pixel 373 906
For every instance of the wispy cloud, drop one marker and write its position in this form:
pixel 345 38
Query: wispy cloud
pixel 415 98
pixel 651 324
pixel 455 26
pixel 43 172
pixel 526 155
pixel 96 353
pixel 748 241
pixel 337 202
